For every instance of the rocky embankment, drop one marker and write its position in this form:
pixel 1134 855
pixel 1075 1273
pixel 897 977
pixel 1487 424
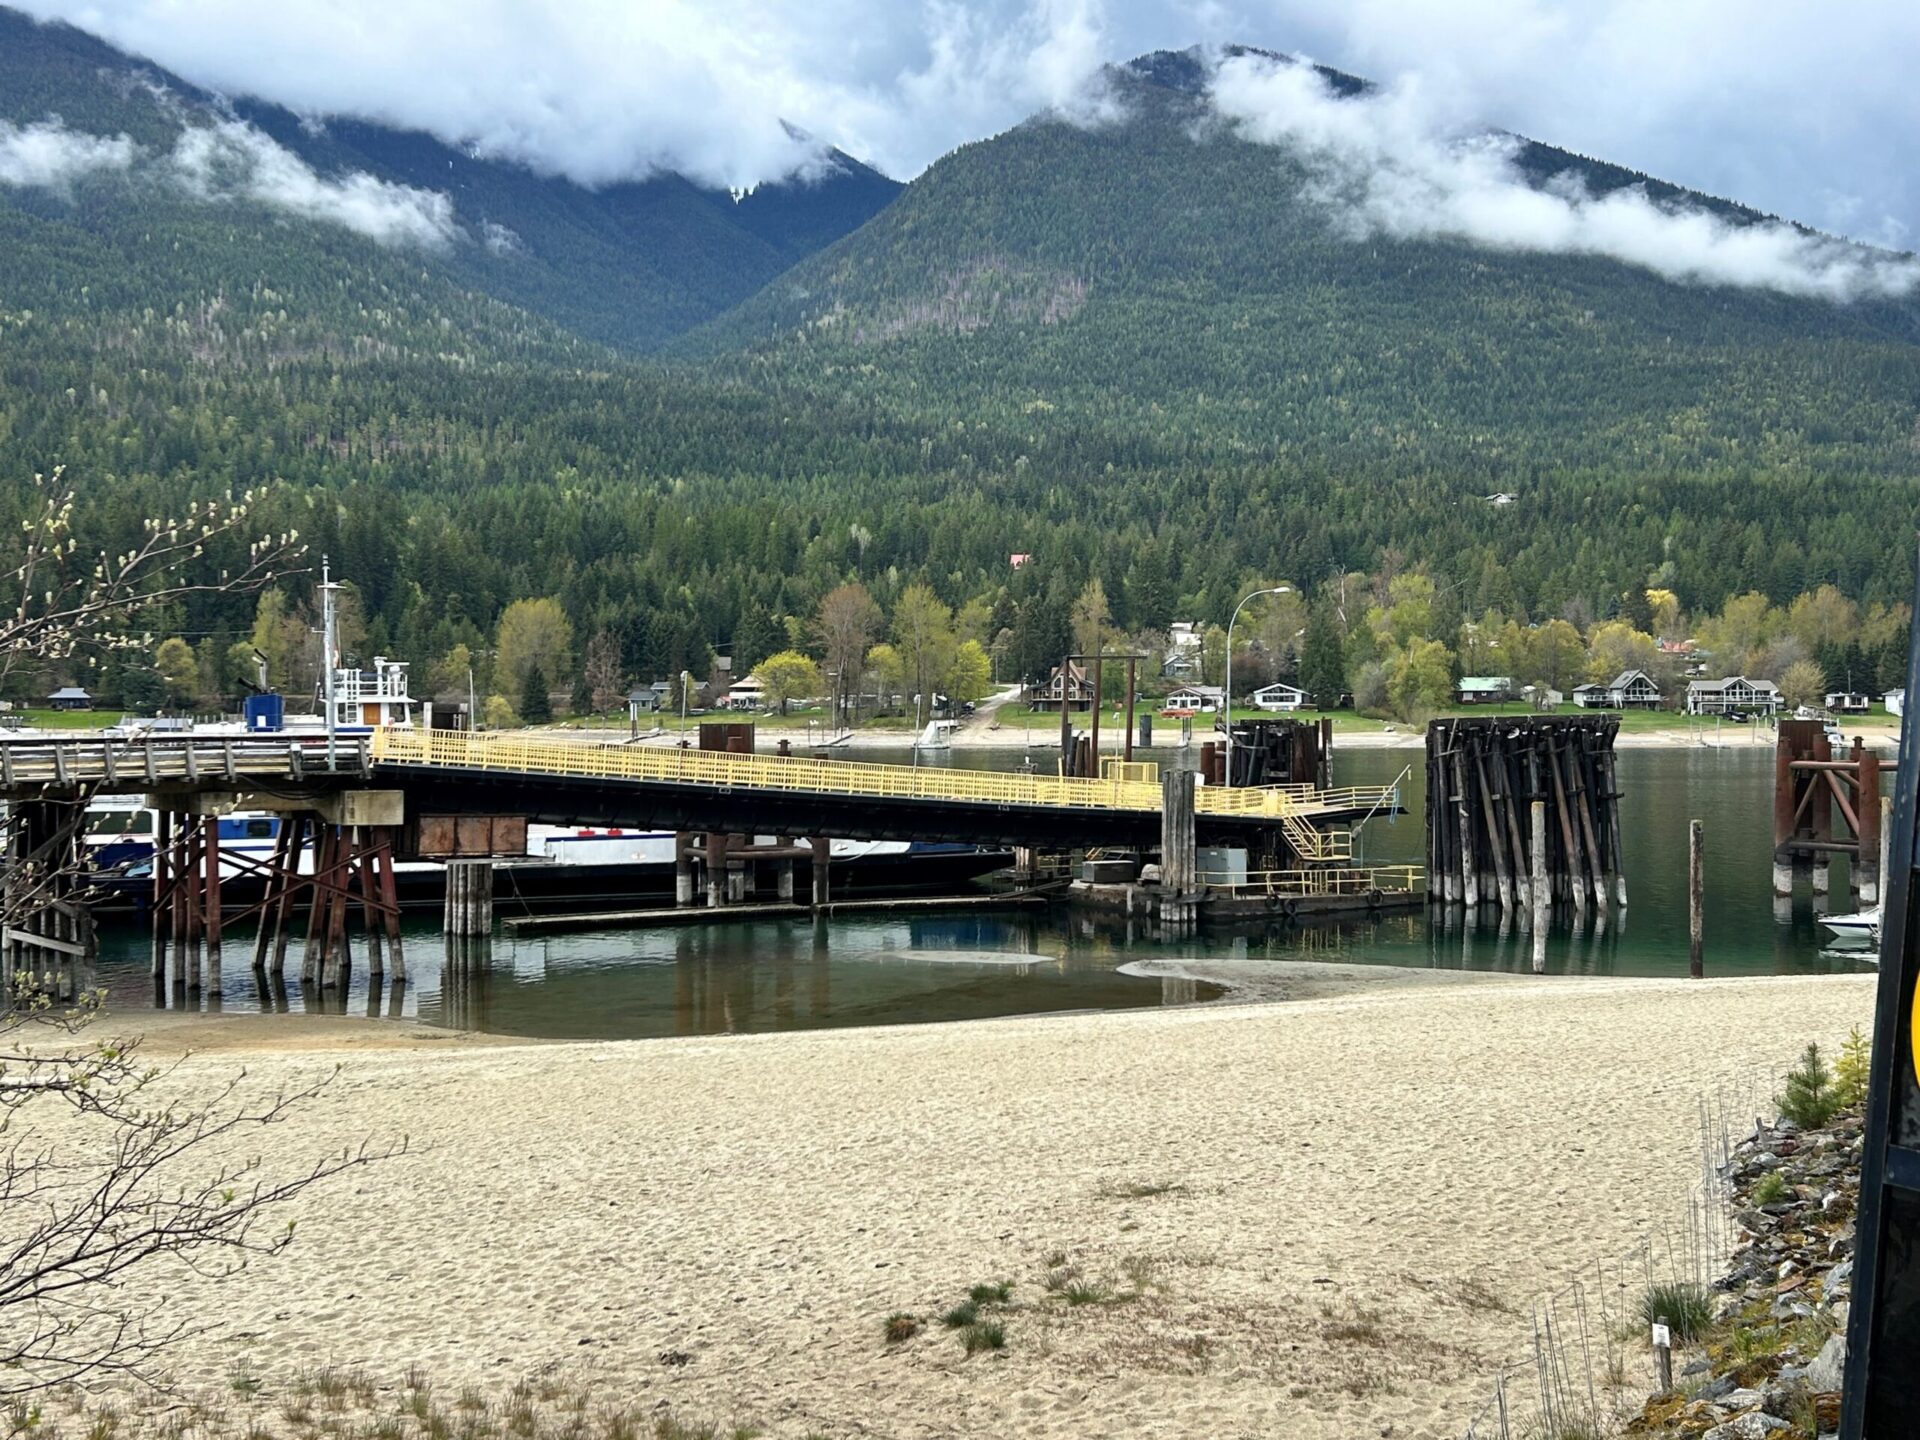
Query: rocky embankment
pixel 1770 1357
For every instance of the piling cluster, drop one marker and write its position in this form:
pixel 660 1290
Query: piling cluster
pixel 1483 778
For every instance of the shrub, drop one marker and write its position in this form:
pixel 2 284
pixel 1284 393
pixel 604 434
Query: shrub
pixel 901 1327
pixel 1771 1187
pixel 1852 1070
pixel 1810 1099
pixel 1680 1305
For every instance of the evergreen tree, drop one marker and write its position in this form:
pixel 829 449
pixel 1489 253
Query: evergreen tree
pixel 535 706
pixel 1323 666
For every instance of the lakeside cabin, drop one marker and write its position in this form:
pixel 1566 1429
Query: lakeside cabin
pixel 1182 658
pixel 1895 701
pixel 1078 690
pixel 1484 689
pixel 1629 690
pixel 1199 699
pixel 1849 702
pixel 747 693
pixel 1734 695
pixel 1279 696
pixel 70 697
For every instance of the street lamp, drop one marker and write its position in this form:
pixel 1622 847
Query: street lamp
pixel 1227 702
pixel 686 687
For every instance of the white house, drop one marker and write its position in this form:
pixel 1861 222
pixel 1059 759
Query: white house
pixel 1633 690
pixel 1590 697
pixel 749 693
pixel 1196 697
pixel 1500 497
pixel 1849 702
pixel 1279 696
pixel 1895 701
pixel 1182 658
pixel 1735 693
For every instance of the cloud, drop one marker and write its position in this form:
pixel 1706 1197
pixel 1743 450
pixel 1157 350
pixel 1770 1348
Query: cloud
pixel 726 92
pixel 233 160
pixel 48 156
pixel 1800 110
pixel 1391 162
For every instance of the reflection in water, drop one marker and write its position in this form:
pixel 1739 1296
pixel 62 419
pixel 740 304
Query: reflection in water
pixel 880 969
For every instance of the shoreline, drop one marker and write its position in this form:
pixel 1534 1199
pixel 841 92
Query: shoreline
pixel 1316 1217
pixel 1006 738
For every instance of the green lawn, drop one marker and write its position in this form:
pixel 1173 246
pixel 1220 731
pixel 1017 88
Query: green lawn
pixel 69 719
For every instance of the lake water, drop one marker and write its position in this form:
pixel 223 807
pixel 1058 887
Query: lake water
pixel 877 969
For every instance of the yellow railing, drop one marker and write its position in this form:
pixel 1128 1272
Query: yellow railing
pixel 832 777
pixel 1301 884
pixel 1311 843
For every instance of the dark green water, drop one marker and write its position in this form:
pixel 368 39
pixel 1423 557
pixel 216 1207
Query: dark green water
pixel 878 969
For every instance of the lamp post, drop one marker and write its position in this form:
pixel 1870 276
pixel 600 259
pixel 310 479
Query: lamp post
pixel 686 686
pixel 1227 701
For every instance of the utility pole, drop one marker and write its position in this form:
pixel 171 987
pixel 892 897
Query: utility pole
pixel 329 660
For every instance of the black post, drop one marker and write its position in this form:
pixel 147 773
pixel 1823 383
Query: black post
pixel 1882 1388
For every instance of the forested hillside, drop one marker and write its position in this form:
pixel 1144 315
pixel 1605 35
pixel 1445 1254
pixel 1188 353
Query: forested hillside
pixel 1128 352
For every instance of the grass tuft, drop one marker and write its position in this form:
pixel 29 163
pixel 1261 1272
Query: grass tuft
pixel 996 1293
pixel 961 1316
pixel 1682 1306
pixel 984 1335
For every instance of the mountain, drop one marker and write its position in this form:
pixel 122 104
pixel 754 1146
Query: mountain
pixel 1136 351
pixel 1159 276
pixel 629 265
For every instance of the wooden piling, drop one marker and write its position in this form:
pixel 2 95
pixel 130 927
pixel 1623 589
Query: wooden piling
pixel 1179 856
pixel 822 857
pixel 1696 901
pixel 1542 893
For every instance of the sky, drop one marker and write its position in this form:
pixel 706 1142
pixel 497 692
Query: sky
pixel 1803 111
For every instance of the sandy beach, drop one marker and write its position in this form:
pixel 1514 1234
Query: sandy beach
pixel 1315 1217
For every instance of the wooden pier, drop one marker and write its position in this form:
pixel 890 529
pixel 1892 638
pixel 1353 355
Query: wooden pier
pixel 1482 777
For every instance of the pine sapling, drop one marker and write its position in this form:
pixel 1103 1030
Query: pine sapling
pixel 1851 1071
pixel 1810 1099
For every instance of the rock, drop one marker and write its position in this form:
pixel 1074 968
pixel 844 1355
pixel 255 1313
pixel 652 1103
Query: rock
pixel 1838 1279
pixel 1829 1365
pixel 1746 1427
pixel 1717 1388
pixel 1743 1399
pixel 1697 1367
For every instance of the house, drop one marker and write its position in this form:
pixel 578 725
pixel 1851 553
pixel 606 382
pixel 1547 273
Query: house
pixel 1633 690
pixel 1848 702
pixel 1018 562
pixel 1500 497
pixel 70 697
pixel 1079 690
pixel 652 699
pixel 1196 697
pixel 1735 694
pixel 1182 658
pixel 1279 696
pixel 1895 701
pixel 747 693
pixel 1591 697
pixel 1484 689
